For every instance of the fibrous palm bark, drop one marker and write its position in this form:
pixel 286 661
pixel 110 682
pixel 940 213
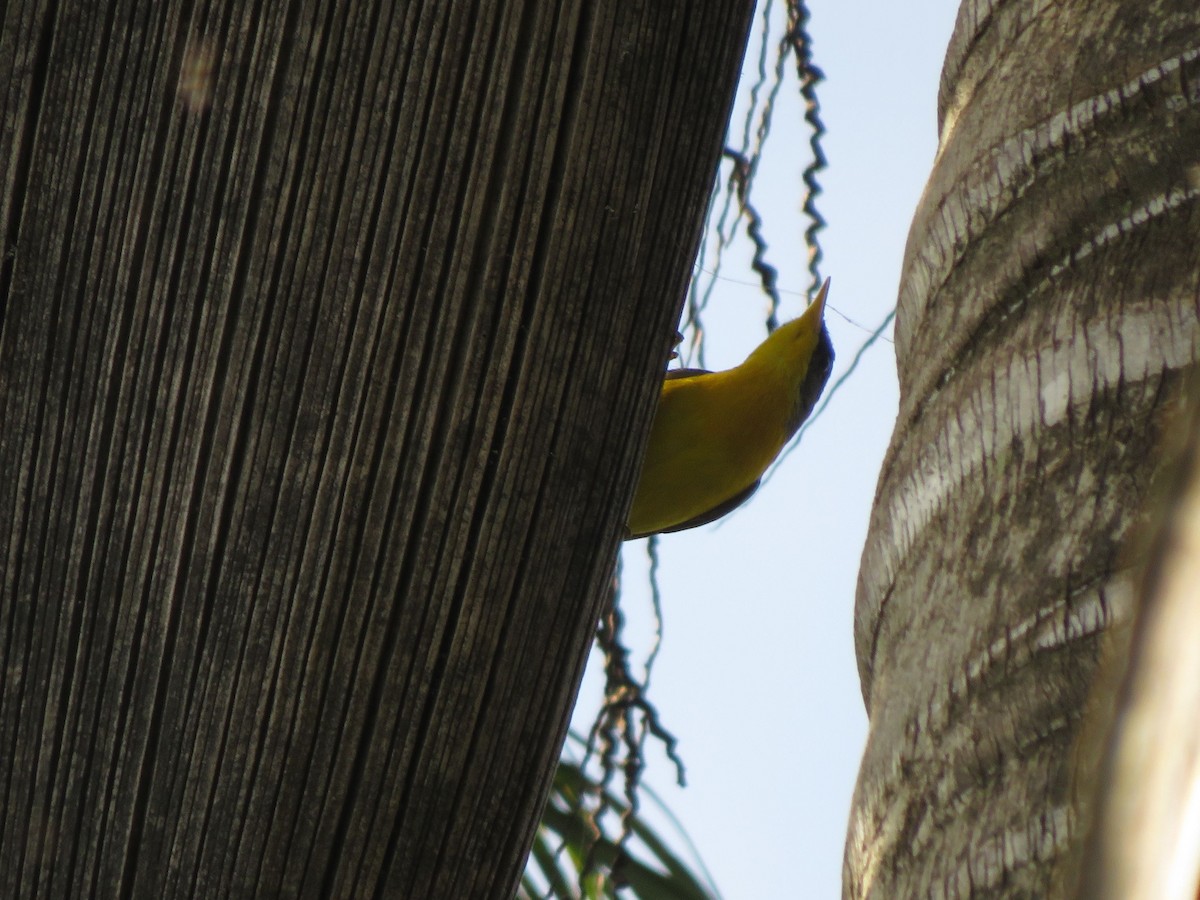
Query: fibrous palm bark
pixel 330 336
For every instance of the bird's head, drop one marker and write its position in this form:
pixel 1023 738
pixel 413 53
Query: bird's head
pixel 801 353
pixel 792 345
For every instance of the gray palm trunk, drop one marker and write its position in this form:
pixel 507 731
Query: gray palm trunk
pixel 1049 303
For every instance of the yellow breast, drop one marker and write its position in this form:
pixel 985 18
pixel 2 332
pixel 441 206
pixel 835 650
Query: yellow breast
pixel 713 437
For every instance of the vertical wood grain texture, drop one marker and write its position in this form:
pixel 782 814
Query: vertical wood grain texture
pixel 1049 301
pixel 330 335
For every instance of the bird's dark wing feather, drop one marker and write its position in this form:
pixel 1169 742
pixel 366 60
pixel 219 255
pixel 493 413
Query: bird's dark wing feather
pixel 671 374
pixel 704 518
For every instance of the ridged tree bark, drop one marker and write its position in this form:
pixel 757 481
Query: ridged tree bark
pixel 330 337
pixel 1050 299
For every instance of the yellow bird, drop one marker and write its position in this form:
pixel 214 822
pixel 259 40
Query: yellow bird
pixel 715 433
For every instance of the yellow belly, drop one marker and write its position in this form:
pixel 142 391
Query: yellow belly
pixel 711 439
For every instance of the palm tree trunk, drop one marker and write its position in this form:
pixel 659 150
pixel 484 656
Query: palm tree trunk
pixel 1048 305
pixel 329 337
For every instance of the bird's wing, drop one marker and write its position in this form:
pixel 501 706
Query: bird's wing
pixel 707 516
pixel 672 374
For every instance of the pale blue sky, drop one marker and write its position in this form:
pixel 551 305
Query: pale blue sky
pixel 757 675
